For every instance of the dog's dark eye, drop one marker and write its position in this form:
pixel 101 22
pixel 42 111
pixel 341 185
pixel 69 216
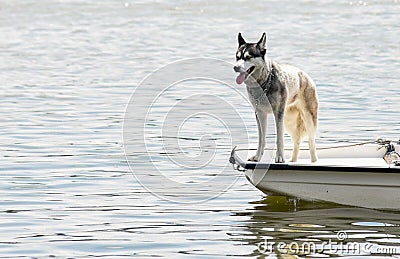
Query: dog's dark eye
pixel 247 56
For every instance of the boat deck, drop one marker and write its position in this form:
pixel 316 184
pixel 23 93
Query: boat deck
pixel 342 156
pixel 357 162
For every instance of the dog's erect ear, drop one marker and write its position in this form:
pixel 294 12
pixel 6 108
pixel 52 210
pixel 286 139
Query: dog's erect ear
pixel 262 42
pixel 241 40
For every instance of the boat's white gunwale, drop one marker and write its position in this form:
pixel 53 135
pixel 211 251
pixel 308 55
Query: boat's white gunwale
pixel 249 165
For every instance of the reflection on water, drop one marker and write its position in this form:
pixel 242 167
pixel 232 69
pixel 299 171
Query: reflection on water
pixel 318 228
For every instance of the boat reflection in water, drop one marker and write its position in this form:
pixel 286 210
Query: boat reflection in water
pixel 289 228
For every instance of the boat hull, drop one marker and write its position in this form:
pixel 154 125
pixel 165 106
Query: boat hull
pixel 369 190
pixel 370 183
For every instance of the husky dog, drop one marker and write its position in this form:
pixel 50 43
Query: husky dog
pixel 284 90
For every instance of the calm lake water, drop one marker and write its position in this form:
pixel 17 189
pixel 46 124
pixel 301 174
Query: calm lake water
pixel 68 70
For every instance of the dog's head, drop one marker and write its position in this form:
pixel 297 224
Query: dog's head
pixel 249 58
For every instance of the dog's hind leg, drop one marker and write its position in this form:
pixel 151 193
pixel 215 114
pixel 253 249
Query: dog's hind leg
pixel 261 118
pixel 309 113
pixel 294 125
pixel 297 133
pixel 311 144
pixel 296 147
pixel 311 128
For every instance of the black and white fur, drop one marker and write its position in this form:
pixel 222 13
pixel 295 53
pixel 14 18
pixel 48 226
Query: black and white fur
pixel 284 90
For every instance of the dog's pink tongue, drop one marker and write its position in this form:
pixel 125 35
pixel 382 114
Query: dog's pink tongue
pixel 240 78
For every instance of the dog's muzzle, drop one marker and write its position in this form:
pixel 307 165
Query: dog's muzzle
pixel 241 69
pixel 239 66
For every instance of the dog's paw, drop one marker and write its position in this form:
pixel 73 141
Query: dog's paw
pixel 279 159
pixel 313 160
pixel 253 158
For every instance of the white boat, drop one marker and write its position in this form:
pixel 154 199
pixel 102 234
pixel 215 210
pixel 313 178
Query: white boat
pixel 356 175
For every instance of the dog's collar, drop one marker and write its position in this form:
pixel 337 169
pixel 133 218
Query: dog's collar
pixel 267 84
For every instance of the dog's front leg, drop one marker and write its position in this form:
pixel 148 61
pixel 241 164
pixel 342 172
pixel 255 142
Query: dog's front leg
pixel 261 118
pixel 280 156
